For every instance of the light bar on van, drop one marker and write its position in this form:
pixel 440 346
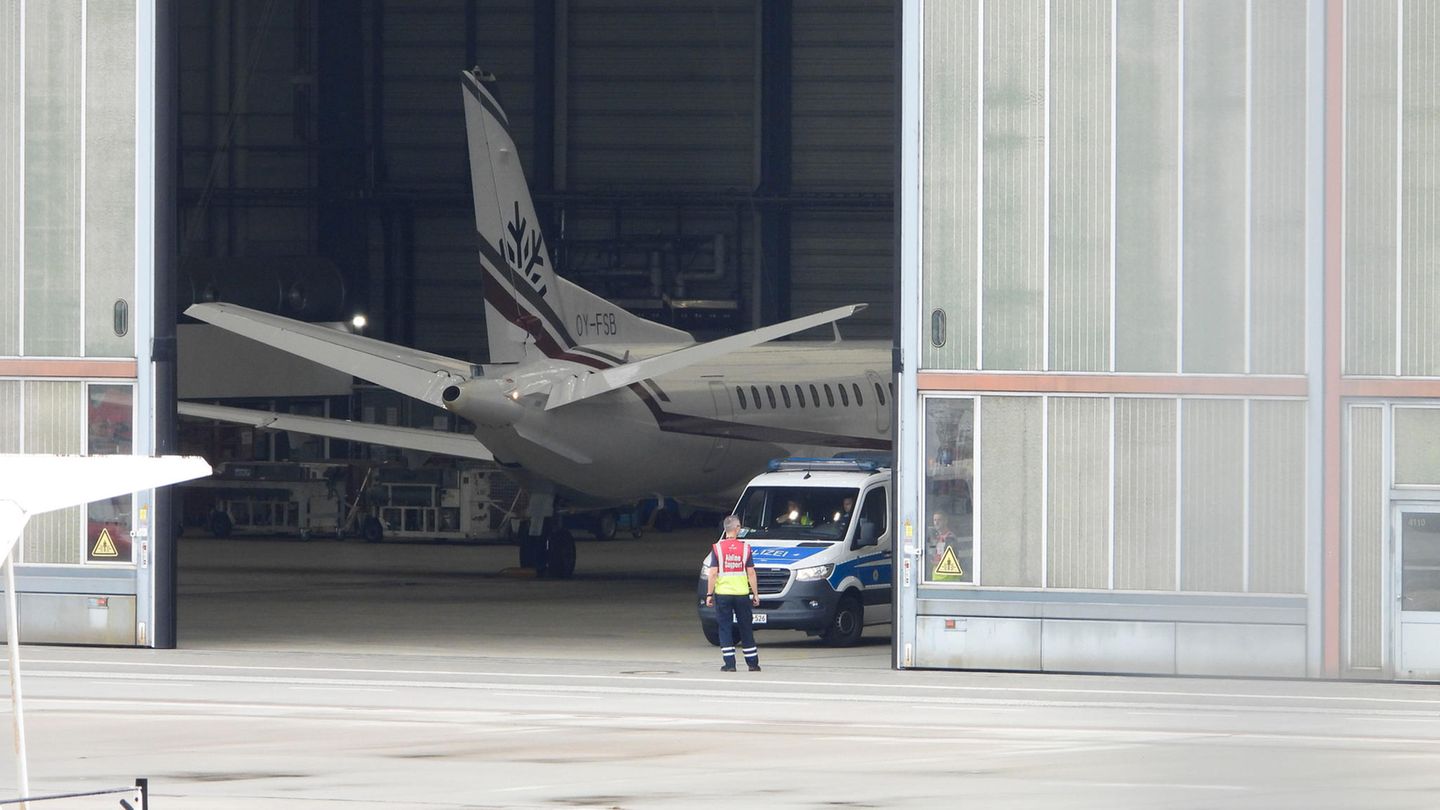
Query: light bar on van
pixel 827 464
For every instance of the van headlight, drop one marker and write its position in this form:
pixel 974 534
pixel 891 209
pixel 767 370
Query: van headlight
pixel 704 571
pixel 813 573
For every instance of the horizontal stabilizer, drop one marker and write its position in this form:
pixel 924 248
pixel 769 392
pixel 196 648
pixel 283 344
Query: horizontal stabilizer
pixel 31 484
pixel 417 374
pixel 584 386
pixel 429 441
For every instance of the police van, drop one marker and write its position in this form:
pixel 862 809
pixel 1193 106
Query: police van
pixel 820 533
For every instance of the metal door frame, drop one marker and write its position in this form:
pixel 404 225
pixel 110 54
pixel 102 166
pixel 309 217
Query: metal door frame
pixel 1393 659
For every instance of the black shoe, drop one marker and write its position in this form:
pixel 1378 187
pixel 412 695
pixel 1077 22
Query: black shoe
pixel 727 668
pixel 754 667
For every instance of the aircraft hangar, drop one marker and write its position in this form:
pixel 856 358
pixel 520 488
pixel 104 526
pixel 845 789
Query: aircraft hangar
pixel 712 166
pixel 1165 364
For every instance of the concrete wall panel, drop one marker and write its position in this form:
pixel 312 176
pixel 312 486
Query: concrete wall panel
pixel 949 184
pixel 1365 558
pixel 1079 646
pixel 1276 561
pixel 1147 188
pixel 1420 192
pixel 977 643
pixel 1009 484
pixel 1145 501
pixel 1371 162
pixel 1078 466
pixel 1013 178
pixel 1240 650
pixel 1214 187
pixel 1080 221
pixel 1277 197
pixel 1212 498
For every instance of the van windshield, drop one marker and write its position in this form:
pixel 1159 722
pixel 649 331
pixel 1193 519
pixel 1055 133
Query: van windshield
pixel 796 513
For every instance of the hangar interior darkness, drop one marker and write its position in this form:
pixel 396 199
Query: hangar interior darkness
pixel 714 165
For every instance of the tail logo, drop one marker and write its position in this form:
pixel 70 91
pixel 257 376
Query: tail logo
pixel 524 250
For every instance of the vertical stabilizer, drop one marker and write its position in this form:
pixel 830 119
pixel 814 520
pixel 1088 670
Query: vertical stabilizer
pixel 526 304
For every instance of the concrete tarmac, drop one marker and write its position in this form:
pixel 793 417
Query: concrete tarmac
pixel 342 675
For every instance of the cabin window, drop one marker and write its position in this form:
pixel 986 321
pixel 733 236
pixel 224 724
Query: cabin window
pixel 844 395
pixel 770 395
pixel 829 395
pixel 785 395
pixel 755 394
pixel 800 394
pixel 892 390
pixel 740 395
pixel 814 395
pixel 859 401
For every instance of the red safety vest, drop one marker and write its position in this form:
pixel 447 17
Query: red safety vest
pixel 732 557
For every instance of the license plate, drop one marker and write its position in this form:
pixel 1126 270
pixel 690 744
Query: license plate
pixel 758 618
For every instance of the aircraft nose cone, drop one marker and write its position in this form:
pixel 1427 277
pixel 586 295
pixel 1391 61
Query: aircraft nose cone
pixel 485 402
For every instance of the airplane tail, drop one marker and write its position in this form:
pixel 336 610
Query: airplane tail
pixel 526 303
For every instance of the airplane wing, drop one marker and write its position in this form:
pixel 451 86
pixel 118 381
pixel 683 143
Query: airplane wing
pixel 598 382
pixel 418 374
pixel 429 441
pixel 33 483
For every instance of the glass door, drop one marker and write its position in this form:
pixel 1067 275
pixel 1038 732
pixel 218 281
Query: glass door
pixel 1418 594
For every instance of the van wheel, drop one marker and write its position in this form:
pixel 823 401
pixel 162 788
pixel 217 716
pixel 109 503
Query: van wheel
pixel 221 524
pixel 712 634
pixel 664 520
pixel 847 624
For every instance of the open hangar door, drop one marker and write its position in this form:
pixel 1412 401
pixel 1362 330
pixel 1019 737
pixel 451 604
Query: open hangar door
pixel 714 166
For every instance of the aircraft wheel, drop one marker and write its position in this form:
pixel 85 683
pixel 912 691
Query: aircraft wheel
pixel 221 524
pixel 606 523
pixel 560 555
pixel 372 530
pixel 532 552
pixel 847 624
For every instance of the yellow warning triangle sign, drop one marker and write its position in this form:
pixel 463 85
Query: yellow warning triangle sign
pixel 948 566
pixel 104 546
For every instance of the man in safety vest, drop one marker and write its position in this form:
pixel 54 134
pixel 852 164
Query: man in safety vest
pixel 732 592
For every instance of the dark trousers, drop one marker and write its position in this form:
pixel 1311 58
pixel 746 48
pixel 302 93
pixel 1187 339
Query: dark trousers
pixel 726 606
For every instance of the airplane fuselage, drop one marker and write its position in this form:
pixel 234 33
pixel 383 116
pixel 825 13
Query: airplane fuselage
pixel 696 435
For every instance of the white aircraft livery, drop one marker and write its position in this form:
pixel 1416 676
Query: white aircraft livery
pixel 585 402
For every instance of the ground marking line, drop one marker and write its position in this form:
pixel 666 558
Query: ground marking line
pixel 672 679
pixel 452 715
pixel 1142 785
pixel 788 698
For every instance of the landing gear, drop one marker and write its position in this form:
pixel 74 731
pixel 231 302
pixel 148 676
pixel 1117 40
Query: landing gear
pixel 372 529
pixel 559 556
pixel 550 553
pixel 220 524
pixel 606 524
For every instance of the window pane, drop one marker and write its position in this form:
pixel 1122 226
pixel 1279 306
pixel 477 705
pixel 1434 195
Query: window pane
pixel 1420 558
pixel 111 416
pixel 111 419
pixel 949 471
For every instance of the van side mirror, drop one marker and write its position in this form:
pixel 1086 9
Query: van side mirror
pixel 866 536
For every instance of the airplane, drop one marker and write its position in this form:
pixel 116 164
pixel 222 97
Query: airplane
pixel 589 405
